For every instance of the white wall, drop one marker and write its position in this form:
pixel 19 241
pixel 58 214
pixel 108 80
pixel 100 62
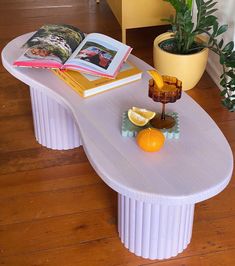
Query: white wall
pixel 226 15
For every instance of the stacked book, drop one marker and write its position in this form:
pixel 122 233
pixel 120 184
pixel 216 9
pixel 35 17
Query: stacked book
pixel 89 64
pixel 87 85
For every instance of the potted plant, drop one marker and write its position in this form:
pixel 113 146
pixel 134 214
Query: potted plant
pixel 189 42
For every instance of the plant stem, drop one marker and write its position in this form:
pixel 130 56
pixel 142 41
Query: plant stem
pixel 218 51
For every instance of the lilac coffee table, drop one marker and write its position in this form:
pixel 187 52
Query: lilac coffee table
pixel 157 192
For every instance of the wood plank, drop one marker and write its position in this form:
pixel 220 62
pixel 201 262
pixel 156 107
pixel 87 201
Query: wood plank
pixel 47 179
pixel 24 123
pixel 16 107
pixel 223 258
pixel 24 139
pixel 111 251
pixel 87 12
pixel 38 158
pixel 77 228
pixel 218 207
pixel 56 203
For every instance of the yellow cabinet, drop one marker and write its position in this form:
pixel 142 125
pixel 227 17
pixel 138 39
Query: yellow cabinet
pixel 139 13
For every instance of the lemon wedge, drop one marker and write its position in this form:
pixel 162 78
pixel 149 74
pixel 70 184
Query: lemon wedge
pixel 157 78
pixel 139 116
pixel 144 112
pixel 136 118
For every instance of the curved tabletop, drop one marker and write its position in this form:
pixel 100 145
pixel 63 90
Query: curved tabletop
pixel 193 168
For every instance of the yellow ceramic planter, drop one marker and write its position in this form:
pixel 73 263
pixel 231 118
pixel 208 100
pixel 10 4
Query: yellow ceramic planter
pixel 188 68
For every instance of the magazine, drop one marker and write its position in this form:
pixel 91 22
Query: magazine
pixel 88 85
pixel 67 47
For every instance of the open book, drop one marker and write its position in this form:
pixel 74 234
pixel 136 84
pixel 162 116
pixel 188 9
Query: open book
pixel 66 47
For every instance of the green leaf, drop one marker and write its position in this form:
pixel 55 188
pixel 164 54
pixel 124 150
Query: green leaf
pixel 230 74
pixel 232 82
pixel 189 3
pixel 230 64
pixel 210 20
pixel 228 47
pixel 222 59
pixel 232 56
pixel 222 29
pixel 211 11
pixel 221 43
pixel 228 104
pixel 189 27
pixel 223 92
pixel 226 101
pixel 210 5
pixel 223 82
pixel 215 27
pixel 209 2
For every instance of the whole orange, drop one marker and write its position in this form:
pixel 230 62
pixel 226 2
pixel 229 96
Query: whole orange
pixel 150 139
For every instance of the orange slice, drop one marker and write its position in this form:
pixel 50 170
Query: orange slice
pixel 157 78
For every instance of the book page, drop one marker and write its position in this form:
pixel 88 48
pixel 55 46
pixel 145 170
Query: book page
pixel 50 46
pixel 125 66
pixel 98 54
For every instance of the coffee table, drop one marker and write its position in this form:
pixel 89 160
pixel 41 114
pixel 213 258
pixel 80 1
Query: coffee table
pixel 157 192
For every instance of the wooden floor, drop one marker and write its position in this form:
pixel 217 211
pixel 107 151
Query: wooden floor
pixel 54 209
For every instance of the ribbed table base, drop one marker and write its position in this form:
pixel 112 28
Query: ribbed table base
pixel 53 124
pixel 154 231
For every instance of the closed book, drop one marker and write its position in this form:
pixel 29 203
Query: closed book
pixel 88 85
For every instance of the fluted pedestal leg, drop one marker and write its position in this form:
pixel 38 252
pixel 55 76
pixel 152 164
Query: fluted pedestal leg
pixel 154 231
pixel 53 124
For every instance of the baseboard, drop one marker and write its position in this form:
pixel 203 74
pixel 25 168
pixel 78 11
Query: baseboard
pixel 214 72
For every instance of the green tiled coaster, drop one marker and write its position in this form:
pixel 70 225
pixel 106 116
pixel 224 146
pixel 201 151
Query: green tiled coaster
pixel 130 130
